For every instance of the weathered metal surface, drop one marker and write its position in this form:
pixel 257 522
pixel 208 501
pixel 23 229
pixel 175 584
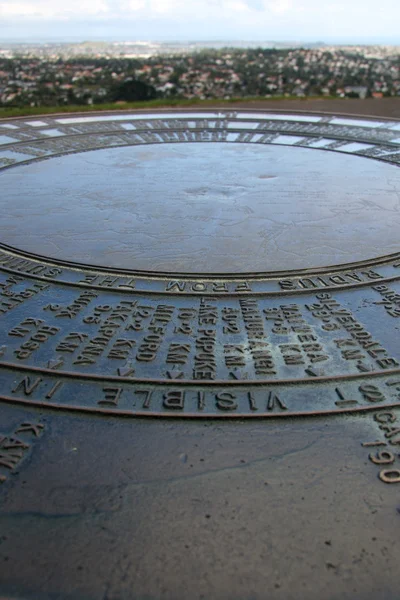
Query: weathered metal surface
pixel 224 272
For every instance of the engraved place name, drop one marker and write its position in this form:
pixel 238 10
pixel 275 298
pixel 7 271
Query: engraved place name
pixel 13 298
pixel 360 344
pixel 99 350
pixel 16 446
pixel 203 338
pixel 303 346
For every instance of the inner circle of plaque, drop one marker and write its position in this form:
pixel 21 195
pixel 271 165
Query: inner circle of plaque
pixel 203 208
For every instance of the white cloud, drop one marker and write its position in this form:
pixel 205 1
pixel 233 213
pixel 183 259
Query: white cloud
pixel 280 7
pixel 167 7
pixel 180 10
pixel 127 6
pixel 204 19
pixel 236 6
pixel 57 9
pixel 52 9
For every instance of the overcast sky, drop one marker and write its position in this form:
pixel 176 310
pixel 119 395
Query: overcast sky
pixel 298 20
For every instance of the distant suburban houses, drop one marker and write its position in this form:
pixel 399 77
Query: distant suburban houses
pixel 59 76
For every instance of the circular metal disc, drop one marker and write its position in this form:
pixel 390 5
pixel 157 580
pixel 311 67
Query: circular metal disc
pixel 234 274
pixel 220 207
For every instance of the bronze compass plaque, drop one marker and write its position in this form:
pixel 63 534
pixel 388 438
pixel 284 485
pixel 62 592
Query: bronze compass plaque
pixel 228 283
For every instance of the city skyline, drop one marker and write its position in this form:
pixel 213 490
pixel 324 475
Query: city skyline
pixel 201 20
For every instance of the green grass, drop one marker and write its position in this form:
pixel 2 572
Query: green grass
pixel 159 103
